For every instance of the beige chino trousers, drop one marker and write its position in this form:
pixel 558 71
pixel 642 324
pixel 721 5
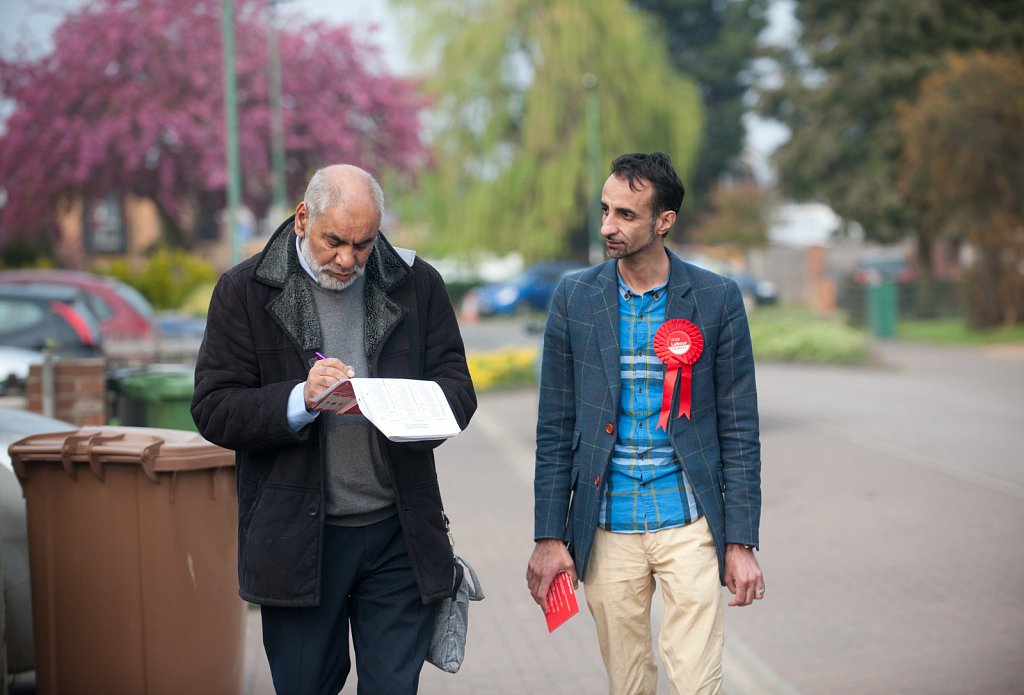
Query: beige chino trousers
pixel 619 586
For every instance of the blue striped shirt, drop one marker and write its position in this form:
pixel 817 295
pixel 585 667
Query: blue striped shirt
pixel 645 488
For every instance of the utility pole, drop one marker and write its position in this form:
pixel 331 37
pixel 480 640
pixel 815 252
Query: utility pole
pixel 231 129
pixel 278 208
pixel 593 123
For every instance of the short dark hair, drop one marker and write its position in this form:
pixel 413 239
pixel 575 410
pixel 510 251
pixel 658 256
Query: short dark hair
pixel 655 167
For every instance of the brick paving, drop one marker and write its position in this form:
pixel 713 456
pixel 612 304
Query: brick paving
pixel 890 537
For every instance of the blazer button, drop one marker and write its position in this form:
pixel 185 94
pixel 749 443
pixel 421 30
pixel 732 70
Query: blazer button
pixel 312 511
pixel 597 480
pixel 609 428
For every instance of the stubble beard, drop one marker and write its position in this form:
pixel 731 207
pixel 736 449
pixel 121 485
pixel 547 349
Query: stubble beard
pixel 627 252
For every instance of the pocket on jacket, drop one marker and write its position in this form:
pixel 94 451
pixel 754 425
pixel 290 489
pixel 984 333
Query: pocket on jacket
pixel 281 539
pixel 574 479
pixel 248 497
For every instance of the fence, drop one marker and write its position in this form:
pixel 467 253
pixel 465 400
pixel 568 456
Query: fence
pixel 946 301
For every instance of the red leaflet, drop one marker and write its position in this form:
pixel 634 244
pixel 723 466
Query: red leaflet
pixel 562 603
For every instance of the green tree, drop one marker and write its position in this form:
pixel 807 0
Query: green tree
pixel 131 100
pixel 838 92
pixel 963 168
pixel 510 134
pixel 715 42
pixel 737 215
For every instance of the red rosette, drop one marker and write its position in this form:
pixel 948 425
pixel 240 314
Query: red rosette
pixel 678 343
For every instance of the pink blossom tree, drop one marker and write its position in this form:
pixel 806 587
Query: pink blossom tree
pixel 131 100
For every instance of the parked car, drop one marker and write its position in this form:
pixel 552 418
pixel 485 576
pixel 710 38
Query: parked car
pixel 176 326
pixel 122 311
pixel 20 655
pixel 126 318
pixel 34 317
pixel 180 338
pixel 530 290
pixel 14 366
pixel 873 269
pixel 756 291
pixel 760 290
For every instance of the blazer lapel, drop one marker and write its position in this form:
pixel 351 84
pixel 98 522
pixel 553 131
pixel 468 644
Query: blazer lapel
pixel 606 314
pixel 606 323
pixel 680 303
pixel 294 308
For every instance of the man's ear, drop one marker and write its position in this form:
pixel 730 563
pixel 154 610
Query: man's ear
pixel 301 219
pixel 665 221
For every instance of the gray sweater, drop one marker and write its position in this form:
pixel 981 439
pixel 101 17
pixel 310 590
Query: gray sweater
pixel 359 490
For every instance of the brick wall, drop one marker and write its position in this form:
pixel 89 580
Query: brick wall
pixel 80 390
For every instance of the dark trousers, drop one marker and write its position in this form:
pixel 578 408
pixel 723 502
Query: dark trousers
pixel 367 582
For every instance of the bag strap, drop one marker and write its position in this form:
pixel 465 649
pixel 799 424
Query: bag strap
pixel 476 591
pixel 459 572
pixel 460 575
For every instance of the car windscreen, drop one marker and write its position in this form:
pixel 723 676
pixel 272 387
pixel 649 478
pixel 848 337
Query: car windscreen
pixel 135 298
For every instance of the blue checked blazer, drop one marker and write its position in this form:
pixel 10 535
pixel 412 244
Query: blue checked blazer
pixel 579 401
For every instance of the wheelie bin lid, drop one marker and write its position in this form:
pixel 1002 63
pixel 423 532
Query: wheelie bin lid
pixel 155 450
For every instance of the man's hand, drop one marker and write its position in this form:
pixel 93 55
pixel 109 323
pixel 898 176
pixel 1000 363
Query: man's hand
pixel 322 375
pixel 550 556
pixel 743 576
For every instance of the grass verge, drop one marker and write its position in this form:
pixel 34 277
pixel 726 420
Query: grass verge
pixel 792 334
pixel 956 332
pixel 778 333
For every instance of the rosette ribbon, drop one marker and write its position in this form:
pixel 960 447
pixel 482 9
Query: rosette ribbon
pixel 678 343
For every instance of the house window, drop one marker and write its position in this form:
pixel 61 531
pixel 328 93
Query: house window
pixel 103 225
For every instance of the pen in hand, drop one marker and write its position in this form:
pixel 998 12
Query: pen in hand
pixel 351 372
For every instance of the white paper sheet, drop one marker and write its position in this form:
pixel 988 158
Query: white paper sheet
pixel 402 409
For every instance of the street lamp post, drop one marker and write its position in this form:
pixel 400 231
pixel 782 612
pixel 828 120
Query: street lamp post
pixel 593 124
pixel 277 155
pixel 231 127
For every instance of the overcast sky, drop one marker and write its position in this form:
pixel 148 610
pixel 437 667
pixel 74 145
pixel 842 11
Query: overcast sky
pixel 25 22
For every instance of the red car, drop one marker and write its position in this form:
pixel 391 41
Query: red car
pixel 871 271
pixel 125 317
pixel 123 313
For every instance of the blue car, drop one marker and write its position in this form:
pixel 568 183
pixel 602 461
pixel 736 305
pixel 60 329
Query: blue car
pixel 530 290
pixel 756 291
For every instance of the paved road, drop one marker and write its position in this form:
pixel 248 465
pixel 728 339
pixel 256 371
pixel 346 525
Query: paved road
pixel 893 512
pixel 499 332
pixel 892 515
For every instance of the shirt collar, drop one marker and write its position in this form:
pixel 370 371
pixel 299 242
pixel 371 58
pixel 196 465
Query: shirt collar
pixel 627 293
pixel 302 259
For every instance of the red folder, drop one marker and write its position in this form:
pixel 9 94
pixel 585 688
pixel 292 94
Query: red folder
pixel 562 603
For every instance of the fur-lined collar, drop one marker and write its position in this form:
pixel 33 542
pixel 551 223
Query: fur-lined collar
pixel 295 310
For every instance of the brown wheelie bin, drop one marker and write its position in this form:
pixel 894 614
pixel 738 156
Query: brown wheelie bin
pixel 131 537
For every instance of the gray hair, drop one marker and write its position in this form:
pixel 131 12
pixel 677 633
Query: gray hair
pixel 326 191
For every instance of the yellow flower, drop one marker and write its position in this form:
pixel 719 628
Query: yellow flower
pixel 505 368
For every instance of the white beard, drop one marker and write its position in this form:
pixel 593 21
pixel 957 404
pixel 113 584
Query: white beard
pixel 320 274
